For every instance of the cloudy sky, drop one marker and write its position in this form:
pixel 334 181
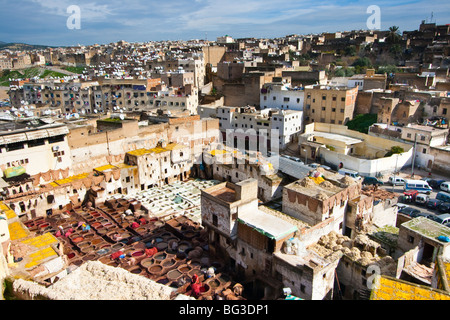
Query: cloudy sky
pixel 45 21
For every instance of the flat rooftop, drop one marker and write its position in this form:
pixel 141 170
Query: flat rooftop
pixel 313 187
pixel 337 137
pixel 428 228
pixel 267 224
pixel 225 194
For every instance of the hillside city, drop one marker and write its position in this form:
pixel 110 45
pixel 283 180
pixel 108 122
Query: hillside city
pixel 304 167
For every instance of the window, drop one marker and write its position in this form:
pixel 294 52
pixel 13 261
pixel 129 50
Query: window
pixel 343 99
pixel 410 239
pixel 408 135
pixel 286 99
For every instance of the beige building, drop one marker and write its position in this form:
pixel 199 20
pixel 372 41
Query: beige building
pixel 333 105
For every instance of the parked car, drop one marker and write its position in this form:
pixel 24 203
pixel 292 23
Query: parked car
pixel 433 204
pixel 443 218
pixel 409 211
pixel 372 181
pixel 398 181
pixel 350 173
pixel 445 186
pixel 435 184
pixel 434 218
pixel 444 207
pixel 421 199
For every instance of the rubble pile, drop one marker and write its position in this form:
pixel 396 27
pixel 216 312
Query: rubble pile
pixel 377 194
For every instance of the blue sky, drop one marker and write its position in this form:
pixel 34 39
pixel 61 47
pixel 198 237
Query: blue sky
pixel 44 21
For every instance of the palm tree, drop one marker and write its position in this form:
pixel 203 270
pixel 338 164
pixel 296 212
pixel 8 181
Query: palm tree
pixel 393 35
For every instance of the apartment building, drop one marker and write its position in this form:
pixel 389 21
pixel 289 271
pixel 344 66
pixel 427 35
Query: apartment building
pixel 33 150
pixel 5 63
pixel 247 124
pixel 277 95
pixel 327 104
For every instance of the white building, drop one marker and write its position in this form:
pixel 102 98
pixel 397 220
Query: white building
pixel 247 122
pixel 281 96
pixel 35 151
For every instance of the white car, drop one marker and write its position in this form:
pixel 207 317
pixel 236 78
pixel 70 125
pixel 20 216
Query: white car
pixel 398 181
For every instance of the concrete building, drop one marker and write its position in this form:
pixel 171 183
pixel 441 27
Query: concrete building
pixel 254 244
pixel 333 105
pixel 429 142
pixel 33 150
pixel 357 151
pixel 281 96
pixel 243 127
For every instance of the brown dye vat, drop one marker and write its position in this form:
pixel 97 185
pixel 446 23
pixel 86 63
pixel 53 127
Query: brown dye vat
pixel 84 244
pixel 102 231
pixel 213 283
pixel 78 262
pixel 146 263
pixel 90 257
pixel 173 274
pixel 156 269
pixel 184 268
pixel 87 250
pixel 141 230
pixel 96 241
pixel 168 263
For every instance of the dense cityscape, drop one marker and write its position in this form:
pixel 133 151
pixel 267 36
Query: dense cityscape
pixel 302 167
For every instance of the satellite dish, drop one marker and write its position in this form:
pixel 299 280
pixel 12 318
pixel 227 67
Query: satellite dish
pixel 122 117
pixel 95 111
pixel 77 116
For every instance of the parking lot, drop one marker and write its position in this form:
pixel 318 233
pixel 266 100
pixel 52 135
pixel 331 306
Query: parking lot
pixel 398 189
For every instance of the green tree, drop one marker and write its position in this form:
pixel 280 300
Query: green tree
pixel 394 150
pixel 393 35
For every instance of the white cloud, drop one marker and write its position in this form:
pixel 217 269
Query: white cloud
pixel 90 11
